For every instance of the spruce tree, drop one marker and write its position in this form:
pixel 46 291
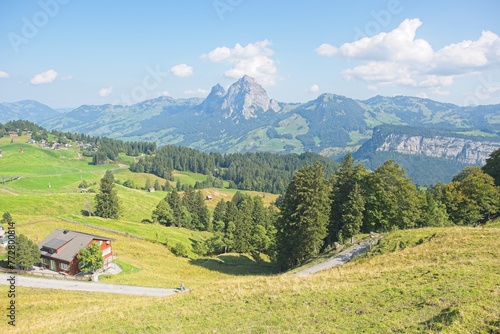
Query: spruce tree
pixel 174 200
pixel 107 205
pixel 352 210
pixel 343 183
pixel 305 209
pixel 26 252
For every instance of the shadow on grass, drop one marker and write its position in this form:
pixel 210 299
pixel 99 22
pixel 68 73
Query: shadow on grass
pixel 237 264
pixel 444 319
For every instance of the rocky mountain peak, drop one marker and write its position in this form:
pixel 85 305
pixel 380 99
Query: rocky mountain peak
pixel 245 97
pixel 217 91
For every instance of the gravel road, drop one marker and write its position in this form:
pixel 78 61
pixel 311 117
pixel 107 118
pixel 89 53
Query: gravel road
pixel 34 282
pixel 340 258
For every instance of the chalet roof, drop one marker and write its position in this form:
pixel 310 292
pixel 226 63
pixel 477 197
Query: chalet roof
pixel 68 243
pixel 55 243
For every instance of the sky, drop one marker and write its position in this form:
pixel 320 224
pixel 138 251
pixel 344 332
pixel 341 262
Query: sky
pixel 66 53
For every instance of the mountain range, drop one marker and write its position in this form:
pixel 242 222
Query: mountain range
pixel 413 131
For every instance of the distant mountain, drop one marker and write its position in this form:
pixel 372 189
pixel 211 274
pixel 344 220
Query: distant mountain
pixel 245 119
pixel 29 110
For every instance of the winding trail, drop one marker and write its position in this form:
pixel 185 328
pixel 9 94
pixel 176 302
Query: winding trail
pixel 340 258
pixel 45 283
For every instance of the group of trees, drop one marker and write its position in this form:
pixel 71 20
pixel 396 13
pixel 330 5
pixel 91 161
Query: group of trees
pixel 315 212
pixel 189 211
pixel 265 172
pixel 242 225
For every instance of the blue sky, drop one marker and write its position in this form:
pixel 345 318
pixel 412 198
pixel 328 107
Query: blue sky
pixel 66 53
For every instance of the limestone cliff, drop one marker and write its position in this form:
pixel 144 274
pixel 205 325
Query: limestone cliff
pixel 464 150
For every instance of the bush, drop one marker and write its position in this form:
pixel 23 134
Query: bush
pixel 84 184
pixel 180 249
pixel 129 184
pixel 200 248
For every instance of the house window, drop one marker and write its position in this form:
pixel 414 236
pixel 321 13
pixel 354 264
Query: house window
pixel 106 251
pixel 45 261
pixel 100 242
pixel 63 266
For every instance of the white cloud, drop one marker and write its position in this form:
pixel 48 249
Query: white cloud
pixel 313 89
pixel 397 57
pixel 182 70
pixel 197 92
pixel 103 92
pixel 165 93
pixel 253 59
pixel 67 77
pixel 468 56
pixel 4 75
pixel 438 91
pixel 397 45
pixel 44 77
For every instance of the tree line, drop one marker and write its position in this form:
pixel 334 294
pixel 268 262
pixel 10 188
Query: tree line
pixel 260 171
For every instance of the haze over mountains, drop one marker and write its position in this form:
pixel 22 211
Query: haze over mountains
pixel 413 131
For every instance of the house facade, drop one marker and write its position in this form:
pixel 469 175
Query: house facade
pixel 59 251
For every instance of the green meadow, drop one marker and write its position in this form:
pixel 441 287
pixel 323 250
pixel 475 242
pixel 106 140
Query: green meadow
pixel 432 280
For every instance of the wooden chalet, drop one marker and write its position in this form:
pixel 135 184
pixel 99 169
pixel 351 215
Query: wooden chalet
pixel 59 251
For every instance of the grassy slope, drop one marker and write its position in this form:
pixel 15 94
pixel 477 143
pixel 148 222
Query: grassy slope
pixel 443 280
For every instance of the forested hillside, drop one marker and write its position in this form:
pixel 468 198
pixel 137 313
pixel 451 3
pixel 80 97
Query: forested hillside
pixel 265 172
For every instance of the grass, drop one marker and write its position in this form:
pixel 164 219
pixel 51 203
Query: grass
pixel 127 268
pixel 448 284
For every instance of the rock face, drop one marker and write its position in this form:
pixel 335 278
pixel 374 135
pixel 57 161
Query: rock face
pixel 467 151
pixel 246 97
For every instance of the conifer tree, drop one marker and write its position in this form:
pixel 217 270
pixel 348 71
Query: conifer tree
pixel 352 210
pixel 107 205
pixel 157 185
pixel 303 221
pixel 26 252
pixel 174 201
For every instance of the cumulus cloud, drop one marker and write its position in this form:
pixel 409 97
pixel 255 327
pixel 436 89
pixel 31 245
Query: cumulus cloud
pixel 196 92
pixel 182 70
pixel 397 57
pixel 103 92
pixel 4 74
pixel 313 89
pixel 44 77
pixel 165 93
pixel 253 59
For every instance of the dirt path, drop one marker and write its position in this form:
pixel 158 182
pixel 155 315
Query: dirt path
pixel 340 258
pixel 44 283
